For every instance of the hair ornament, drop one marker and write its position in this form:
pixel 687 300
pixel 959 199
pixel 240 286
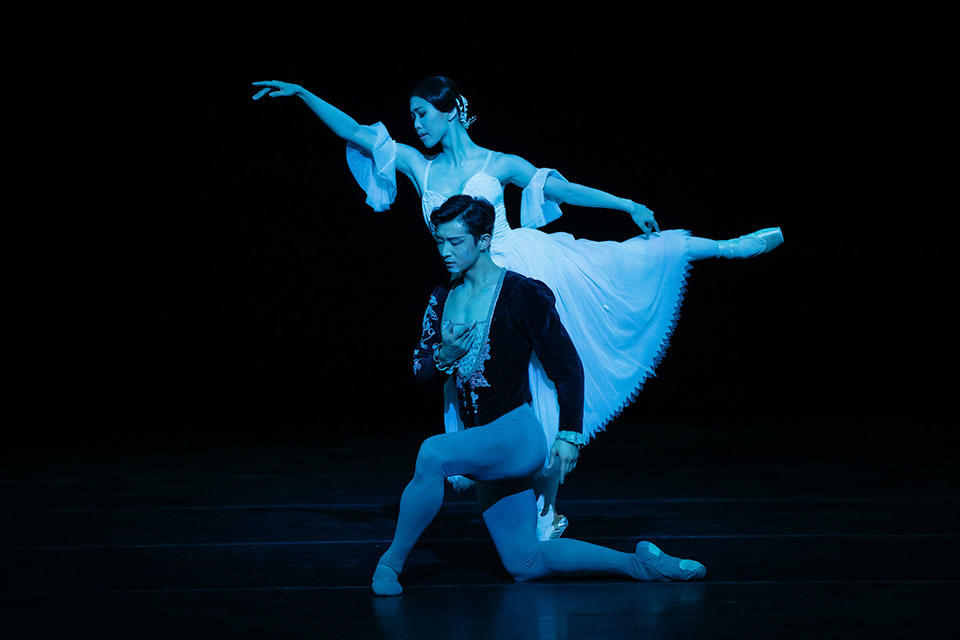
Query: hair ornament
pixel 465 118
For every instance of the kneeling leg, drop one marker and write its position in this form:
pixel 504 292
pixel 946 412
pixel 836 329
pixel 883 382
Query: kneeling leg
pixel 512 525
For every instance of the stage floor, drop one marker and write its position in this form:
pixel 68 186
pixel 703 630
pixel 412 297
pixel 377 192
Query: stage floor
pixel 803 535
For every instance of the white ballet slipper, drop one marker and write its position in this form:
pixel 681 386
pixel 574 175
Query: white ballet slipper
pixel 559 527
pixel 752 244
pixel 550 526
pixel 460 483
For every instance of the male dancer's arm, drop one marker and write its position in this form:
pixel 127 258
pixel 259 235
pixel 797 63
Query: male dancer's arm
pixel 424 365
pixel 438 349
pixel 539 320
pixel 432 354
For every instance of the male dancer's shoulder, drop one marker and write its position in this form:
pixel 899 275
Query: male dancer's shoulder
pixel 437 297
pixel 431 316
pixel 529 289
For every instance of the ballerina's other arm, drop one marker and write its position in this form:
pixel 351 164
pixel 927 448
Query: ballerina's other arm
pixel 519 172
pixel 340 123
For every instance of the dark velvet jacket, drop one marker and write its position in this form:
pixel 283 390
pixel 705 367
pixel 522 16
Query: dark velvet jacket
pixel 524 321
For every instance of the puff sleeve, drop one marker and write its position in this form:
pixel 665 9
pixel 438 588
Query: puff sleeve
pixel 376 171
pixel 536 209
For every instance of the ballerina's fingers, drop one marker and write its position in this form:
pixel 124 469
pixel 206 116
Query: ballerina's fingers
pixel 644 219
pixel 273 88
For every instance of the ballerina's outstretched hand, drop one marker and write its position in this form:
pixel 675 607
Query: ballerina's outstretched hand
pixel 276 89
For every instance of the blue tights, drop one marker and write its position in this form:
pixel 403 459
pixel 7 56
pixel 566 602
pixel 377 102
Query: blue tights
pixel 511 448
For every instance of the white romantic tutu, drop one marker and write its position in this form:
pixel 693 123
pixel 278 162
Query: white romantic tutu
pixel 619 301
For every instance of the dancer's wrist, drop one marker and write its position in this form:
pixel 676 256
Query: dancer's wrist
pixel 442 360
pixel 575 438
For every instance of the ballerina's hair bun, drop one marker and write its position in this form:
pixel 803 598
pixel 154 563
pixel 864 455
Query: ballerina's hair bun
pixel 443 94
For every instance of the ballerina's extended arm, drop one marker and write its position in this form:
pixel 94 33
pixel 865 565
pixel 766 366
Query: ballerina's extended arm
pixel 339 122
pixel 520 172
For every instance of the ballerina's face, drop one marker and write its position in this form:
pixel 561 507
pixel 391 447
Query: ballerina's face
pixel 429 122
pixel 457 246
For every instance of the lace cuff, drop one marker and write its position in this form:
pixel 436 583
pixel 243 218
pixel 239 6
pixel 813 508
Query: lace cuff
pixel 535 209
pixel 573 438
pixel 376 171
pixel 436 360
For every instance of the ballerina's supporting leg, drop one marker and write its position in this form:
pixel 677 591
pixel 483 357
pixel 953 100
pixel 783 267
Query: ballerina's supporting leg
pixel 512 525
pixel 748 246
pixel 550 523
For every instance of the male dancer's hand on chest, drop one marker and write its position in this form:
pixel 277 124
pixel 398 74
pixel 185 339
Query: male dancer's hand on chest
pixel 456 341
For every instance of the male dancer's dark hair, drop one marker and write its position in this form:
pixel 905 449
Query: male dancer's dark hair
pixel 477 214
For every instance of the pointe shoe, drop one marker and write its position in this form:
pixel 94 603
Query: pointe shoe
pixel 559 526
pixel 752 244
pixel 550 526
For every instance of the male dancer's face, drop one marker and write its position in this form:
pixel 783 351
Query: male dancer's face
pixel 458 248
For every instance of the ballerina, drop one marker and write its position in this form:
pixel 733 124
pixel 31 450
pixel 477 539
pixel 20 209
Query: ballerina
pixel 618 300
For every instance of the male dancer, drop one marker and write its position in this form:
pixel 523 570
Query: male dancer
pixel 482 329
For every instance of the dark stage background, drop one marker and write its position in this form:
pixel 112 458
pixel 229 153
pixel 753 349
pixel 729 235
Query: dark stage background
pixel 189 266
